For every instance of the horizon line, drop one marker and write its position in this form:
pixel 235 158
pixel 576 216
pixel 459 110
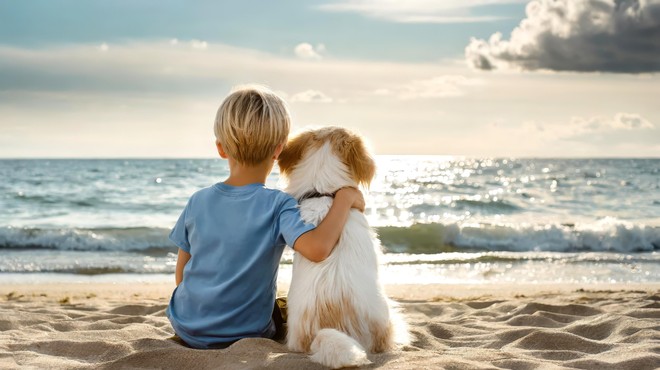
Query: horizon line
pixel 444 156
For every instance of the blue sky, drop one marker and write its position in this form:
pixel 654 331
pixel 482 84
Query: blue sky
pixel 271 26
pixel 143 79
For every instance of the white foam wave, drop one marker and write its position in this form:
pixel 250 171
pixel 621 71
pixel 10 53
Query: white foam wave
pixel 608 234
pixel 605 235
pixel 106 239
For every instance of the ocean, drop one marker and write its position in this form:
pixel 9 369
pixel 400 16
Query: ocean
pixel 439 219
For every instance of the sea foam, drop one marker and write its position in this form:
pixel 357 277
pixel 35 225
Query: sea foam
pixel 606 235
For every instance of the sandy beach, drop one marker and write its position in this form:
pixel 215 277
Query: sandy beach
pixel 123 326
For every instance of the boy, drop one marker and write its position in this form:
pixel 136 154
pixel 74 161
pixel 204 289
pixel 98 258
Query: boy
pixel 231 235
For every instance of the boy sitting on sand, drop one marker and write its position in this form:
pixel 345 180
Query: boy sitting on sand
pixel 231 235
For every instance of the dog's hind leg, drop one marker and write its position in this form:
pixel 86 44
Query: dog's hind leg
pixel 299 336
pixel 382 336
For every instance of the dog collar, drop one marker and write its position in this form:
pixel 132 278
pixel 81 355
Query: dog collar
pixel 314 194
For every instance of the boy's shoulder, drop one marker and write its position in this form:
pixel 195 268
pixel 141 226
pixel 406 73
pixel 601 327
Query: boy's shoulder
pixel 277 192
pixel 215 190
pixel 202 192
pixel 280 194
pixel 278 197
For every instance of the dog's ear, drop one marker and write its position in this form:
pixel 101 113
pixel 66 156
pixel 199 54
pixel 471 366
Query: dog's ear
pixel 293 152
pixel 352 151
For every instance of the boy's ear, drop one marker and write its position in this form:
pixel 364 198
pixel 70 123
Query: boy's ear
pixel 278 151
pixel 221 150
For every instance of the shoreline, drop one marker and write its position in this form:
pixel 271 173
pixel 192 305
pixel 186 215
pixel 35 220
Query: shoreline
pixel 401 292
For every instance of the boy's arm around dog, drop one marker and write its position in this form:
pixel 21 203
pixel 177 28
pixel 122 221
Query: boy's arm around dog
pixel 316 245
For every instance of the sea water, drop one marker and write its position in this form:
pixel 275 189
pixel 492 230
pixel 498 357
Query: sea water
pixel 439 219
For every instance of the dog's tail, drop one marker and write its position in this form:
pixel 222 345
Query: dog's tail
pixel 335 350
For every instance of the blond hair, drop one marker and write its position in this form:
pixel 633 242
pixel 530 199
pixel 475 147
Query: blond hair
pixel 251 122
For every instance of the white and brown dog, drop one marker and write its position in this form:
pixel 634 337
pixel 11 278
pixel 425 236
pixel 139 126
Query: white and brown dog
pixel 336 308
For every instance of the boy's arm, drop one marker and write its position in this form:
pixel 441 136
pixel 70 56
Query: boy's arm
pixel 181 261
pixel 316 245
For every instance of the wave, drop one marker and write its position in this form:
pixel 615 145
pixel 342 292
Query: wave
pixel 50 261
pixel 495 206
pixel 516 257
pixel 91 268
pixel 146 240
pixel 91 271
pixel 606 235
pixel 476 206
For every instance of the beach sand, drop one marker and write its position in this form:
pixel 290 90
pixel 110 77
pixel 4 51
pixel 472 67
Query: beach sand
pixel 123 326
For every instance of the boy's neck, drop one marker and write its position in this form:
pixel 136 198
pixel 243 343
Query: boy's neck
pixel 241 174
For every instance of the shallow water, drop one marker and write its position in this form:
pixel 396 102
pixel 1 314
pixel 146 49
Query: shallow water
pixel 439 219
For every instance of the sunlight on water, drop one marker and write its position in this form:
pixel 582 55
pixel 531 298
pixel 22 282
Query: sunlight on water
pixel 440 189
pixel 437 218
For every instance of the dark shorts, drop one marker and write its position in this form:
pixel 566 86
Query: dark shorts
pixel 279 320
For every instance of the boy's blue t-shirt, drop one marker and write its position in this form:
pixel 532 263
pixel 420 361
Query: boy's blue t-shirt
pixel 235 236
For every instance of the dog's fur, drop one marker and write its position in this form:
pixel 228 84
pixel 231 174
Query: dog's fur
pixel 342 294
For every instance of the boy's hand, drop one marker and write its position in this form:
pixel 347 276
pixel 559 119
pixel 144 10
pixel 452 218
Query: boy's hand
pixel 351 196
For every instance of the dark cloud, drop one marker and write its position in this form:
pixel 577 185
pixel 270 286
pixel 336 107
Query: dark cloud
pixel 620 36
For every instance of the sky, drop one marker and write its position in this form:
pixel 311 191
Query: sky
pixel 495 78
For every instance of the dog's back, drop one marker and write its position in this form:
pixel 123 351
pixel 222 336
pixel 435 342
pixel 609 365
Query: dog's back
pixel 343 292
pixel 336 307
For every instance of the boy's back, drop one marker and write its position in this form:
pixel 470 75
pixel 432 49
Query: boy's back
pixel 231 235
pixel 235 235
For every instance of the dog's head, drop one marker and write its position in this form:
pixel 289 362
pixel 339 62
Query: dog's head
pixel 325 160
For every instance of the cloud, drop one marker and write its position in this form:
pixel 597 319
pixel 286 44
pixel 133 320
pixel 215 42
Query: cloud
pixel 307 51
pixel 168 68
pixel 311 96
pixel 618 135
pixel 621 121
pixel 382 92
pixel 437 87
pixel 194 43
pixel 631 122
pixel 417 11
pixel 198 44
pixel 620 36
pixel 615 128
pixel 163 94
pixel 103 47
pixel 628 133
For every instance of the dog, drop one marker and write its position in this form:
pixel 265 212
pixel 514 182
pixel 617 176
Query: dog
pixel 337 308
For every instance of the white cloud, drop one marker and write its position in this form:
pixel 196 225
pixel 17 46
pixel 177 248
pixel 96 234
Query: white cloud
pixel 631 122
pixel 103 47
pixel 306 51
pixel 382 92
pixel 417 11
pixel 199 44
pixel 174 41
pixel 437 87
pixel 620 121
pixel 311 96
pixel 160 93
pixel 586 128
pixel 623 134
pixel 158 66
pixel 620 36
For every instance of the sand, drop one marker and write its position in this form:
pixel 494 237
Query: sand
pixel 123 326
